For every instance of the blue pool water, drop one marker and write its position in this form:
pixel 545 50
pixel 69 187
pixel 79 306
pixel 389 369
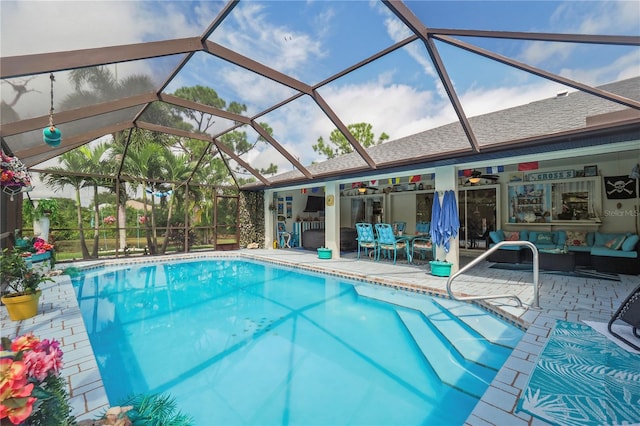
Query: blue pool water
pixel 241 342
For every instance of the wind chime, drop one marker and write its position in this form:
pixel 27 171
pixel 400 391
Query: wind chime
pixel 51 135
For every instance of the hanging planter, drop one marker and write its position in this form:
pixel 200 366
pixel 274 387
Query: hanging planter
pixel 15 177
pixel 51 135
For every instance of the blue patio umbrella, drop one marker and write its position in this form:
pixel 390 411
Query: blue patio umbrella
pixel 449 220
pixel 436 230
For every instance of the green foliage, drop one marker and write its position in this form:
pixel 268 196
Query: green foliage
pixel 17 275
pixel 54 409
pixel 362 132
pixel 155 410
pixel 47 206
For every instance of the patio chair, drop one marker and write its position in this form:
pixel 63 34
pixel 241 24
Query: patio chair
pixel 284 237
pixel 398 227
pixel 628 312
pixel 422 245
pixel 388 242
pixel 423 228
pixel 366 238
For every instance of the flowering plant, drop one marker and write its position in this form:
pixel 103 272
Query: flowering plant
pixel 41 246
pixel 109 220
pixel 14 172
pixel 30 384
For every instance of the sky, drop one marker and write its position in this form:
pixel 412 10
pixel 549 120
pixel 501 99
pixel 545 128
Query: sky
pixel 399 94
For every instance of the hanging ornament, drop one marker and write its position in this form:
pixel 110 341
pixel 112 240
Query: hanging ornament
pixel 51 135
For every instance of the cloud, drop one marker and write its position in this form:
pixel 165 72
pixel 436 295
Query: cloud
pixel 610 17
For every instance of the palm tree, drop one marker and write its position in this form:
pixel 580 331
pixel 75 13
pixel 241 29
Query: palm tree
pixel 71 161
pixel 95 85
pixel 94 164
pixel 144 163
pixel 176 168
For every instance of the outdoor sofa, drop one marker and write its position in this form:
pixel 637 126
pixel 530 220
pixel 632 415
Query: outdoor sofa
pixel 604 252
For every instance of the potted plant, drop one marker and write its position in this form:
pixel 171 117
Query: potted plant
pixel 20 285
pixel 44 211
pixel 46 207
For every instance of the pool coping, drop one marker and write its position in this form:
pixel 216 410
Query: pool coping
pixel 60 318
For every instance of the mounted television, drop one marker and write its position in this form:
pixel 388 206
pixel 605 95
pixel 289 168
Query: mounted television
pixel 314 204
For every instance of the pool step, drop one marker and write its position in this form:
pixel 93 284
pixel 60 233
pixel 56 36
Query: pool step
pixel 488 326
pixel 450 367
pixel 467 341
pixel 476 319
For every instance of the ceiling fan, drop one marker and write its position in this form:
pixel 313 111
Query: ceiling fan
pixel 476 175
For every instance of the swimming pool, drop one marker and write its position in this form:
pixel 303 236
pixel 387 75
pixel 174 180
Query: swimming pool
pixel 242 342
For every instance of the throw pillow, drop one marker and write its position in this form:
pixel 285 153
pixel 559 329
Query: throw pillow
pixel 544 238
pixel 496 236
pixel 576 238
pixel 512 236
pixel 615 243
pixel 630 242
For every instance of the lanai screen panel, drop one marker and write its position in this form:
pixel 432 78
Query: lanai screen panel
pixel 399 94
pixel 232 83
pixel 35 150
pixel 54 26
pixel 309 41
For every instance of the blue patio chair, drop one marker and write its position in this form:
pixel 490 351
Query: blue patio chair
pixel 422 245
pixel 366 238
pixel 284 237
pixel 423 228
pixel 388 242
pixel 422 242
pixel 399 227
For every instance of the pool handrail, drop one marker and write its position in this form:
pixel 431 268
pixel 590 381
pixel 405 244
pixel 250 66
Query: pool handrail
pixel 474 262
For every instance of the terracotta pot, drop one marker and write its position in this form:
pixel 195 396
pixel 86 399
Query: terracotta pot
pixel 22 307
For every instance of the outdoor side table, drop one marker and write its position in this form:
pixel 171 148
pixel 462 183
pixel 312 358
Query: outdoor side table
pixel 556 260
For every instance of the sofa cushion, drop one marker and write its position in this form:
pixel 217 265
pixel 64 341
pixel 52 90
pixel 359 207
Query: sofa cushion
pixel 576 238
pixel 603 251
pixel 579 249
pixel 600 239
pixel 512 236
pixel 497 236
pixel 544 238
pixel 615 243
pixel 630 242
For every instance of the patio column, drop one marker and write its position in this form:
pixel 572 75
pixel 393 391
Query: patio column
pixel 446 178
pixel 269 219
pixel 332 218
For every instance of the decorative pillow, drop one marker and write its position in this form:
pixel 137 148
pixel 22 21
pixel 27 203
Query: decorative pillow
pixel 630 242
pixel 576 238
pixel 544 238
pixel 496 236
pixel 615 243
pixel 512 236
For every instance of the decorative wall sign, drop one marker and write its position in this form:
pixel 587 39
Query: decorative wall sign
pixel 558 174
pixel 620 187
